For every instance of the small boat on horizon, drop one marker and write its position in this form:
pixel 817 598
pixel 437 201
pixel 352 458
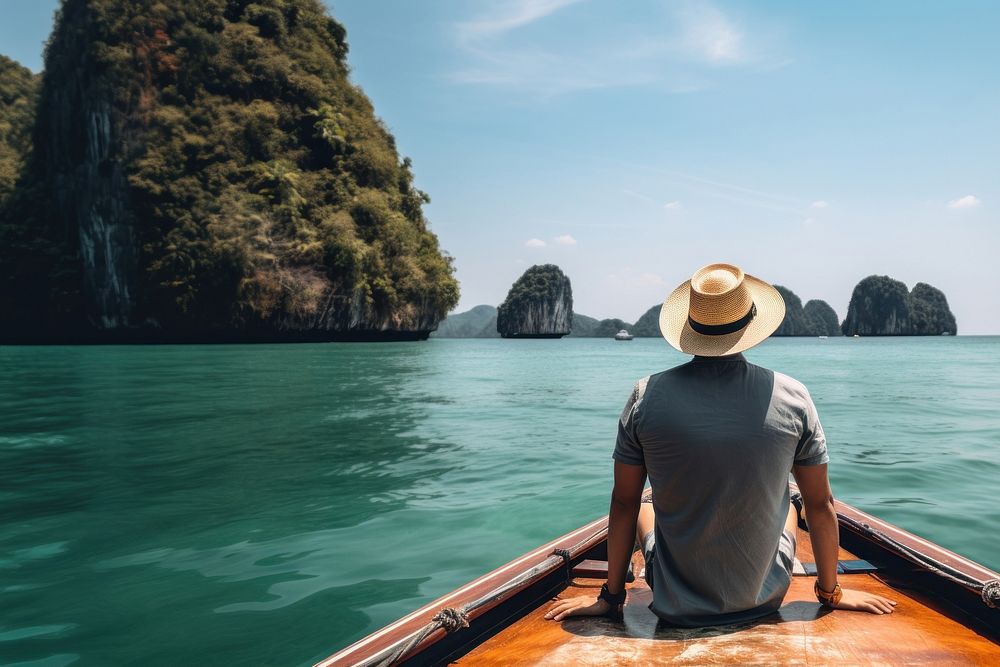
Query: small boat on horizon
pixel 823 337
pixel 624 335
pixel 947 612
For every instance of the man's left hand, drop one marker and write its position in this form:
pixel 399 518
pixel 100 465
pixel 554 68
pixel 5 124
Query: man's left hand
pixel 581 606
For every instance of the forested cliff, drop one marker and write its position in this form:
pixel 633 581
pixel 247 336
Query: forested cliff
pixel 206 171
pixel 538 305
pixel 816 318
pixel 881 306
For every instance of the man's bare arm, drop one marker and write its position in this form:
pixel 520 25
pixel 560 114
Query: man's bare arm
pixel 824 533
pixel 625 502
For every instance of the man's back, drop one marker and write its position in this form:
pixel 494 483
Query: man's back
pixel 718 437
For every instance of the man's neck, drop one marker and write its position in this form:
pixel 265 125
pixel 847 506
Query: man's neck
pixel 729 357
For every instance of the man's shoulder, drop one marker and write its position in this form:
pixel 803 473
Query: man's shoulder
pixel 634 399
pixel 639 388
pixel 786 385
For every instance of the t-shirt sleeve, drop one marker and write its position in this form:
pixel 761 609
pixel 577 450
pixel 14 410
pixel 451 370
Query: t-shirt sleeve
pixel 811 450
pixel 628 449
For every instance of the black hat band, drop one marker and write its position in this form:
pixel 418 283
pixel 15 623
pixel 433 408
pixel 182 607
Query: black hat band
pixel 723 329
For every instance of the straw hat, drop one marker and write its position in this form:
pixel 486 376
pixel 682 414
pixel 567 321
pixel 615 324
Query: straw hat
pixel 720 311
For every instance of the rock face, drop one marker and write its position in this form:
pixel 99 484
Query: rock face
pixel 881 306
pixel 206 171
pixel 821 318
pixel 539 305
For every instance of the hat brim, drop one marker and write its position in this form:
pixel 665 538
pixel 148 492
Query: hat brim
pixel 676 330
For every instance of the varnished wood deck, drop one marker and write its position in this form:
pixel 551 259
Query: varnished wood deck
pixel 803 633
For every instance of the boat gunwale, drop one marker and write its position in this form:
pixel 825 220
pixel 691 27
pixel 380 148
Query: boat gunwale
pixel 409 625
pixel 964 565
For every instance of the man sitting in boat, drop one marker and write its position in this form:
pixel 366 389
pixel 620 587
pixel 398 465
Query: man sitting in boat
pixel 717 437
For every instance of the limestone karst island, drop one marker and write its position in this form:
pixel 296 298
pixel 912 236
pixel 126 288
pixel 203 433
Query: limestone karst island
pixel 540 305
pixel 204 171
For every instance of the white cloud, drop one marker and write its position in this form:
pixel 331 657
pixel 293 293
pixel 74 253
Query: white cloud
pixel 510 16
pixel 710 34
pixel 820 204
pixel 968 201
pixel 672 206
pixel 534 243
pixel 674 52
pixel 565 239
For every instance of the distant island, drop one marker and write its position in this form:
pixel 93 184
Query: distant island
pixel 480 322
pixel 647 326
pixel 539 305
pixel 882 306
pixel 879 306
pixel 816 319
pixel 206 172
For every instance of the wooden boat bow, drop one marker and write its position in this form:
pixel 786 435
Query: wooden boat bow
pixel 947 612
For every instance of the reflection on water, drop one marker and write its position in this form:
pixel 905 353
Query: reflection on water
pixel 269 504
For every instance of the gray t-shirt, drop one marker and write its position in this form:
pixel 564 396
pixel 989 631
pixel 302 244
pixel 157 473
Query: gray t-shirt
pixel 718 437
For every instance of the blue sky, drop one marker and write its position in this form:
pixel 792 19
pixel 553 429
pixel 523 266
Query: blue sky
pixel 630 143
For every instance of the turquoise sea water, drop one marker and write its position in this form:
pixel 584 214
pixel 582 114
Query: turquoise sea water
pixel 270 504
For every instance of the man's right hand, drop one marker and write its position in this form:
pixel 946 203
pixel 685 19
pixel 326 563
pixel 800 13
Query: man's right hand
pixel 862 601
pixel 578 606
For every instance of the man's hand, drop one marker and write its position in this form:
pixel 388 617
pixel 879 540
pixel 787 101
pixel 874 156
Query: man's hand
pixel 862 601
pixel 580 606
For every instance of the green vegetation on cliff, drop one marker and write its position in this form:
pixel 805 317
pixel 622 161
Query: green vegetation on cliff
pixel 882 306
pixel 794 323
pixel 18 92
pixel 208 166
pixel 817 318
pixel 648 326
pixel 583 326
pixel 589 327
pixel 607 328
pixel 821 318
pixel 539 303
